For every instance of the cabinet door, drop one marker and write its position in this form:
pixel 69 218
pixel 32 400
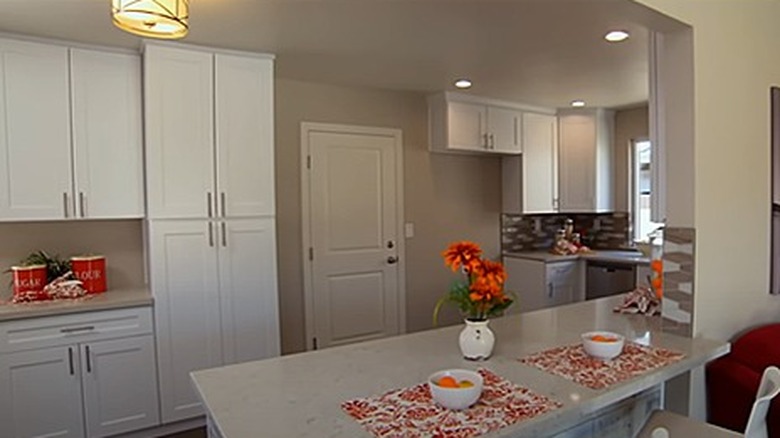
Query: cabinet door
pixel 34 132
pixel 504 130
pixel 106 94
pixel 540 164
pixel 40 394
pixel 183 261
pixel 466 124
pixel 526 280
pixel 120 385
pixel 245 135
pixel 179 104
pixel 563 280
pixel 248 292
pixel 578 163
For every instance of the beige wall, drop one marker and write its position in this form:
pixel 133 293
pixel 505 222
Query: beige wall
pixel 735 62
pixel 447 197
pixel 121 241
pixel 630 124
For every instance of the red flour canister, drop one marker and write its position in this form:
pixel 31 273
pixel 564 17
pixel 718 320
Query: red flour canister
pixel 29 282
pixel 91 270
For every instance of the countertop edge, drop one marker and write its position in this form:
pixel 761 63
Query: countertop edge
pixel 109 300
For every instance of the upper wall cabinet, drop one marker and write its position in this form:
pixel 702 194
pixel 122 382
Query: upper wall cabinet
pixel 50 95
pixel 107 134
pixel 34 132
pixel 585 151
pixel 530 181
pixel 209 133
pixel 466 124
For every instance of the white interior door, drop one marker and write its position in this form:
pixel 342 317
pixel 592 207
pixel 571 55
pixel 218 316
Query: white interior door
pixel 353 222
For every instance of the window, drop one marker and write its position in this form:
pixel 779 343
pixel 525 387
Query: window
pixel 641 163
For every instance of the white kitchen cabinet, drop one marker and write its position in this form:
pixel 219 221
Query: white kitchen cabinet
pixel 70 133
pixel 585 160
pixel 247 289
pixel 107 134
pixel 215 289
pixel 118 389
pixel 40 393
pixel 539 285
pixel 460 123
pixel 34 132
pixel 89 374
pixel 209 133
pixel 244 135
pixel 530 182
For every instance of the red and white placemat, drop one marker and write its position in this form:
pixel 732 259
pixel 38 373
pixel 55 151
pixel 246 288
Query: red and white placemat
pixel 572 363
pixel 411 412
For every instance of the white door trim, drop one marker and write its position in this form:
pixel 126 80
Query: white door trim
pixel 308 287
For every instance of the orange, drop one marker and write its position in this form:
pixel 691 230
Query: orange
pixel 602 338
pixel 657 265
pixel 657 282
pixel 447 382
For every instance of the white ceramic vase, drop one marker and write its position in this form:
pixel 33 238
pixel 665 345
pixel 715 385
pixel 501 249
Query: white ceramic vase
pixel 476 340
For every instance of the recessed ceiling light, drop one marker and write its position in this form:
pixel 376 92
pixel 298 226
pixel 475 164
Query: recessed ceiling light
pixel 463 83
pixel 577 103
pixel 616 36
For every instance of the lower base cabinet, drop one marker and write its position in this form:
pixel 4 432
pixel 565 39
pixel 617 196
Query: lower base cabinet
pixel 96 383
pixel 539 285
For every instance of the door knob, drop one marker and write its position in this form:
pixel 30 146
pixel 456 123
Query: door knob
pixel 392 260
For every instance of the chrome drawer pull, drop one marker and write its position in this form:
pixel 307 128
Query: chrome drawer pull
pixel 72 330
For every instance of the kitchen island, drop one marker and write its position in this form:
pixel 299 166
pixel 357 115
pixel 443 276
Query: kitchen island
pixel 300 395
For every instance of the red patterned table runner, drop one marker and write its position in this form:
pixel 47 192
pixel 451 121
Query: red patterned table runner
pixel 572 363
pixel 411 412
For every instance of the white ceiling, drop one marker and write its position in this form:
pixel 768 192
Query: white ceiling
pixel 543 52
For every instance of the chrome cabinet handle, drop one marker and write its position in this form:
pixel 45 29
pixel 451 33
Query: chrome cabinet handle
pixel 72 330
pixel 88 356
pixel 550 290
pixel 224 207
pixel 82 204
pixel 65 203
pixel 211 234
pixel 224 234
pixel 492 141
pixel 70 361
pixel 208 203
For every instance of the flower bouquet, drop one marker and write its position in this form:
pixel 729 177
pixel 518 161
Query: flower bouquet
pixel 481 295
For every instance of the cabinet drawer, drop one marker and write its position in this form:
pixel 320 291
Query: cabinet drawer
pixel 67 329
pixel 561 271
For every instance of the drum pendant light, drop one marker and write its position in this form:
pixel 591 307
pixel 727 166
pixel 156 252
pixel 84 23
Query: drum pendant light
pixel 165 19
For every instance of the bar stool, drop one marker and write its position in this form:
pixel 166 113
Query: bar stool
pixel 665 424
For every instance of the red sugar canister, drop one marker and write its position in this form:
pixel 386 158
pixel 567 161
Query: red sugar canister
pixel 29 281
pixel 91 270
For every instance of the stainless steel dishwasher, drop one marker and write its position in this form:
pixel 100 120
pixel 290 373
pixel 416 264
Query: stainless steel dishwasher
pixel 606 278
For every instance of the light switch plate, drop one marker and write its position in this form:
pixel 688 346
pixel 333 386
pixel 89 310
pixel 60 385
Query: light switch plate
pixel 409 230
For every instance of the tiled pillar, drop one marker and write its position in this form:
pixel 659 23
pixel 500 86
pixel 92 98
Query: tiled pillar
pixel 679 259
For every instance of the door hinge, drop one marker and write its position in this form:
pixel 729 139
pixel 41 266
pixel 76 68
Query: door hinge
pixel 311 253
pixel 314 342
pixel 308 161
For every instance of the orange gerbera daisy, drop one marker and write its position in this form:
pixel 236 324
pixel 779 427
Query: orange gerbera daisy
pixel 465 254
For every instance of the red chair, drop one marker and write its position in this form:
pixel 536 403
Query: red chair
pixel 732 381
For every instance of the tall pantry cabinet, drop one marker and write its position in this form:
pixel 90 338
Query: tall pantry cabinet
pixel 211 227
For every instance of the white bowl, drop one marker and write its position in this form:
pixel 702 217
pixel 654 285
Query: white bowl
pixel 456 398
pixel 600 349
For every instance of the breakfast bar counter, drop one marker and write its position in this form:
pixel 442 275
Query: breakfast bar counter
pixel 301 395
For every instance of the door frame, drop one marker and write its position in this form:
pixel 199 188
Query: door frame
pixel 308 277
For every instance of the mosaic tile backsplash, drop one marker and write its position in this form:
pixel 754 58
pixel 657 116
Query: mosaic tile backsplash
pixel 537 232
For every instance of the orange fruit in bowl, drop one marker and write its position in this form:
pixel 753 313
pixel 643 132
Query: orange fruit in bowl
pixel 447 382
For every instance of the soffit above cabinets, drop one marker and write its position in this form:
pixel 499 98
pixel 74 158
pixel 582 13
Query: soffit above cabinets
pixel 542 52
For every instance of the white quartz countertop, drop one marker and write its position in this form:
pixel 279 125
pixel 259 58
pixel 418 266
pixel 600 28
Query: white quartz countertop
pixel 111 299
pixel 300 395
pixel 614 256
